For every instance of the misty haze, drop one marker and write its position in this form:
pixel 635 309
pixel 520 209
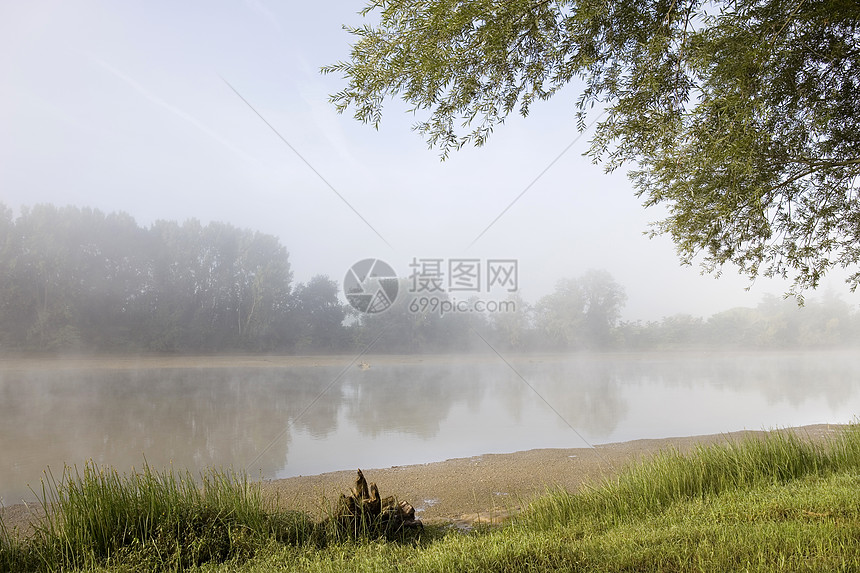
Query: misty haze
pixel 225 244
pixel 190 346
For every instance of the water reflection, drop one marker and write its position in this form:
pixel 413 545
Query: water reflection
pixel 414 399
pixel 400 410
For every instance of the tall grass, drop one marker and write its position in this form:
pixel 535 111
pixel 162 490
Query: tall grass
pixel 16 554
pixel 669 477
pixel 7 549
pixel 165 519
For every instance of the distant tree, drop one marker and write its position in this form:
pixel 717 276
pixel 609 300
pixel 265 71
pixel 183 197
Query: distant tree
pixel 75 278
pixel 420 322
pixel 821 322
pixel 774 323
pixel 318 316
pixel 217 287
pixel 111 262
pixel 560 317
pixel 12 298
pixel 452 331
pixel 406 326
pixel 513 328
pixel 742 118
pixel 604 299
pixel 681 330
pixel 265 298
pixel 581 312
pixel 675 331
pixel 172 291
pixel 47 277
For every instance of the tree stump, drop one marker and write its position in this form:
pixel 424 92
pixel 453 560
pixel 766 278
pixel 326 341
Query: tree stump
pixel 365 512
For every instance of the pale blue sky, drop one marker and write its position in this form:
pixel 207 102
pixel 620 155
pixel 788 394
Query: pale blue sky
pixel 121 106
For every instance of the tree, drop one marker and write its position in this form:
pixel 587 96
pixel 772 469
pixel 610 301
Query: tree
pixel 559 315
pixel 47 277
pixel 512 328
pixel 264 285
pixel 75 278
pixel 420 322
pixel 319 315
pixel 405 327
pixel 581 312
pixel 742 117
pixel 604 299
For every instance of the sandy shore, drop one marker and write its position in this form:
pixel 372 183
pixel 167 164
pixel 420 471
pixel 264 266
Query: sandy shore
pixel 487 487
pixel 466 491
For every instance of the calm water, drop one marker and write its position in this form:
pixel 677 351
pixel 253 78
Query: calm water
pixel 280 421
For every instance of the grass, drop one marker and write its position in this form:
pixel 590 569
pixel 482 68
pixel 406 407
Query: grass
pixel 776 503
pixel 158 520
pixel 670 477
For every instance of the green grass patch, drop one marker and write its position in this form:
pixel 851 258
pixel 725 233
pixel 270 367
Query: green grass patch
pixel 811 524
pixel 669 477
pixel 775 503
pixel 157 520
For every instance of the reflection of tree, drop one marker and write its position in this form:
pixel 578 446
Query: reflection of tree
pixel 222 417
pixel 587 392
pixel 193 418
pixel 780 376
pixel 300 387
pixel 410 398
pixel 416 399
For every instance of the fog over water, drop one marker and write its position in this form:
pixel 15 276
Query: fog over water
pixel 294 417
pixel 125 107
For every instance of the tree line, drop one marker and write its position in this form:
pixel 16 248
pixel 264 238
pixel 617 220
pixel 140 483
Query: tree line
pixel 584 313
pixel 773 323
pixel 77 279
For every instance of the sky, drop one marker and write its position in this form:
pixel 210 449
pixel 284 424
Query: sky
pixel 133 107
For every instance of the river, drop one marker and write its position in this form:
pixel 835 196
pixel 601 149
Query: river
pixel 284 416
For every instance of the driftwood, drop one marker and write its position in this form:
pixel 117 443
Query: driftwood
pixel 364 511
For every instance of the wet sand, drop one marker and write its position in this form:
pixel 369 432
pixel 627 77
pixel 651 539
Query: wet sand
pixel 478 489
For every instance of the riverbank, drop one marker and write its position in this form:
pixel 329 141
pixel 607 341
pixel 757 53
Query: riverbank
pixel 785 500
pixel 489 487
pixel 479 489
